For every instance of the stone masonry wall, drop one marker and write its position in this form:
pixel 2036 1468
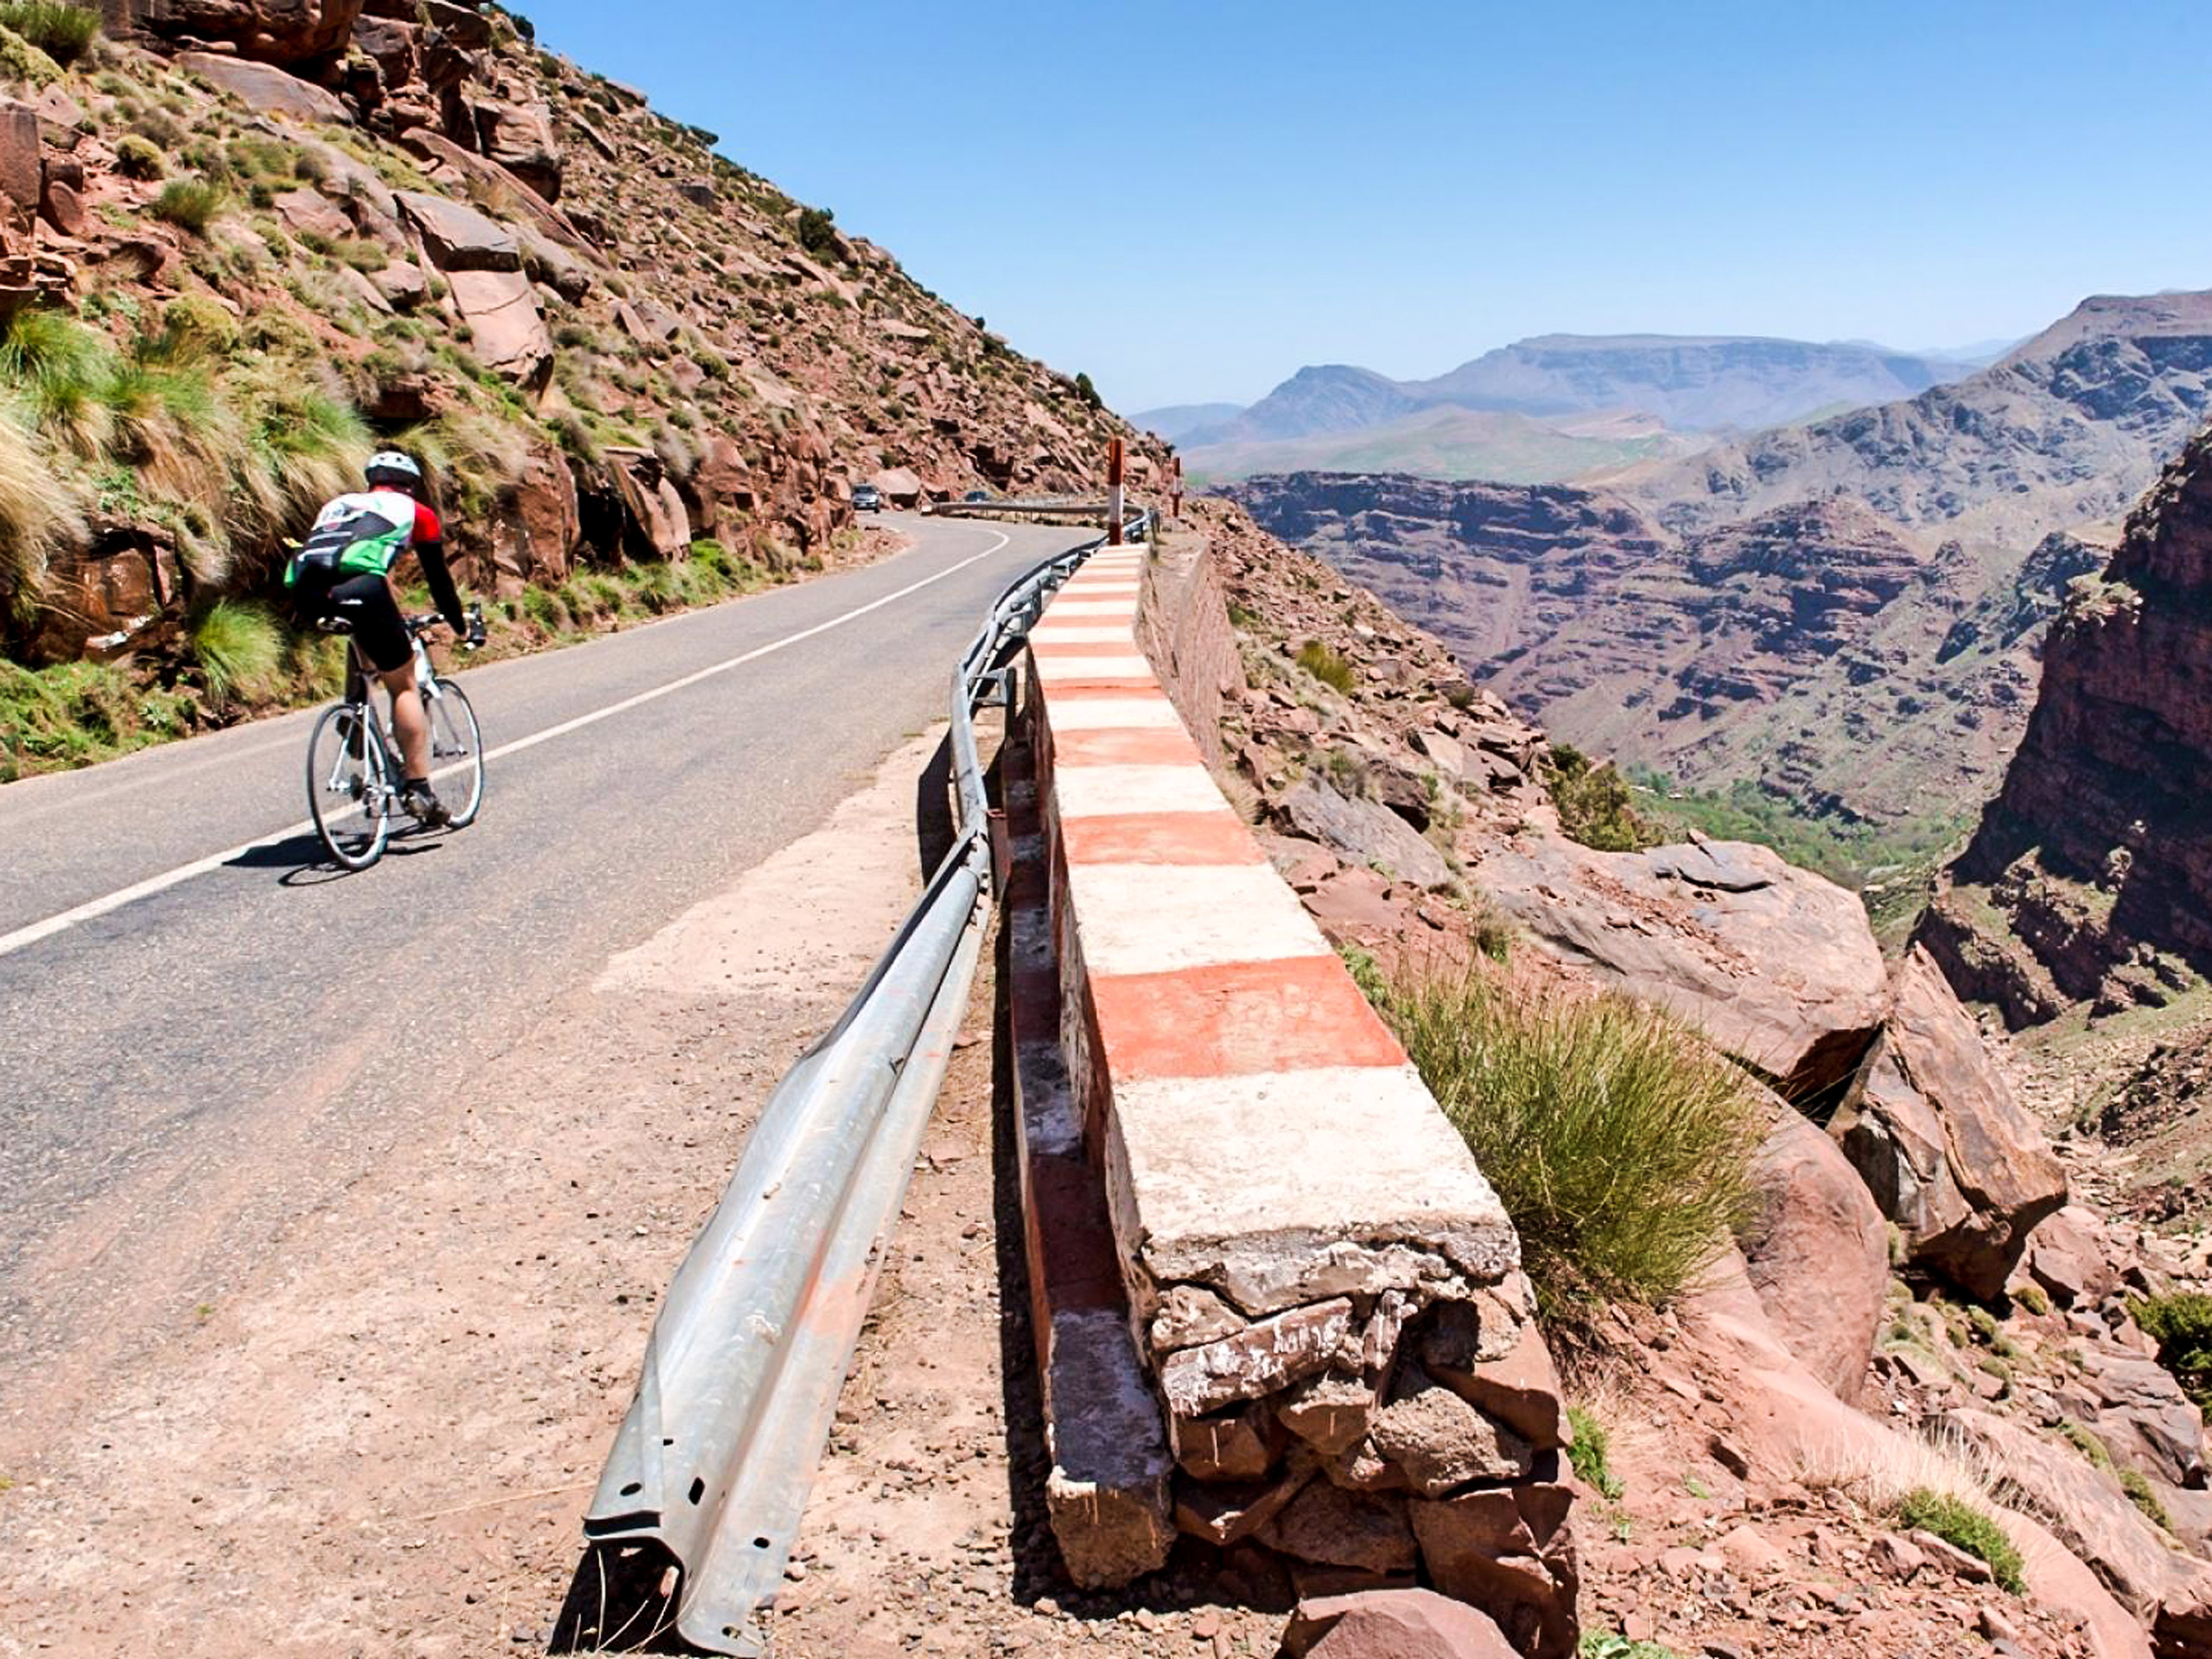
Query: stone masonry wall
pixel 1323 1291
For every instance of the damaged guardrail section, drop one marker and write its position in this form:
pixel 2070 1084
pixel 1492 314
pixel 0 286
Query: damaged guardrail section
pixel 714 1459
pixel 1318 1290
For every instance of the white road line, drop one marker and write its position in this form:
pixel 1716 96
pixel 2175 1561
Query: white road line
pixel 23 936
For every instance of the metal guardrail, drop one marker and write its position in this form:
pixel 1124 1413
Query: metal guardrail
pixel 714 1461
pixel 1032 509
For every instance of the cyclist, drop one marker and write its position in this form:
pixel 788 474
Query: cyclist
pixel 343 573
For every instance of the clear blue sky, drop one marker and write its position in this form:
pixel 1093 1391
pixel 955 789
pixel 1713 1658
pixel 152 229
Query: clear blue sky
pixel 1189 201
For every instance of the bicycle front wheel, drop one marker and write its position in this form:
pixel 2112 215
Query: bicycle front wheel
pixel 349 787
pixel 457 751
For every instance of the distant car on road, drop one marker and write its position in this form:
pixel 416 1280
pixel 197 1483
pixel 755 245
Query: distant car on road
pixel 867 498
pixel 976 495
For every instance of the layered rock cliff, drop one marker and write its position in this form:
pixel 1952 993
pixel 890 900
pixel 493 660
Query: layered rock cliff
pixel 1846 612
pixel 2090 879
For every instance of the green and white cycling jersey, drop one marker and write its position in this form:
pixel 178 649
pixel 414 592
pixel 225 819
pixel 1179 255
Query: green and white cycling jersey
pixel 365 535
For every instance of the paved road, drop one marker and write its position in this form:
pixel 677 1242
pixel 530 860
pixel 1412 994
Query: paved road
pixel 269 1003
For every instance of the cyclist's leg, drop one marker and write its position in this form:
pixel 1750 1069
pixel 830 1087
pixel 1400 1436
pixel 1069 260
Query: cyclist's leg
pixel 409 720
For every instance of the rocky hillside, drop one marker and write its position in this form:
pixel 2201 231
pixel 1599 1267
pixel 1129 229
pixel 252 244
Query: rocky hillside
pixel 247 242
pixel 1846 614
pixel 1766 1427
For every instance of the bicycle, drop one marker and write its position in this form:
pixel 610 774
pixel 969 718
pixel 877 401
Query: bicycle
pixel 354 776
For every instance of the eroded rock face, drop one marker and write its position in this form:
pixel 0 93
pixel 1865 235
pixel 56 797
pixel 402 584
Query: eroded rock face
pixel 2093 855
pixel 267 88
pixel 1949 1153
pixel 271 31
pixel 1817 1252
pixel 1776 965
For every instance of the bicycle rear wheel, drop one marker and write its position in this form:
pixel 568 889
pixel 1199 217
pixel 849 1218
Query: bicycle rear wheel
pixel 457 751
pixel 349 787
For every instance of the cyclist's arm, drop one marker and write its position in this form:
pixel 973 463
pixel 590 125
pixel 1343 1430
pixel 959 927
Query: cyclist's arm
pixel 430 548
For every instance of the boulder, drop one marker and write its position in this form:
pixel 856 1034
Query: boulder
pixel 402 284
pixel 457 236
pixel 520 137
pixel 270 90
pixel 310 212
pixel 1393 1625
pixel 1443 1442
pixel 1932 1126
pixel 548 262
pixel 2070 1256
pixel 507 332
pixel 99 598
pixel 1364 831
pixel 2138 1410
pixel 265 31
pixel 900 485
pixel 659 515
pixel 537 525
pixel 22 167
pixel 1509 1551
pixel 1776 965
pixel 1817 1251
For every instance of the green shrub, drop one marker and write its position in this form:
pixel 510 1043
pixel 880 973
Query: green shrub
pixel 62 369
pixel 1088 392
pixel 817 232
pixel 75 714
pixel 1603 1644
pixel 1617 1142
pixel 1593 802
pixel 20 60
pixel 1326 665
pixel 238 646
pixel 1589 1453
pixel 1493 930
pixel 189 204
pixel 1964 1527
pixel 2087 1445
pixel 138 158
pixel 2145 1496
pixel 2182 1326
pixel 2031 1297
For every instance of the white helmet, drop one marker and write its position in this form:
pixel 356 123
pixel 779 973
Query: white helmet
pixel 391 467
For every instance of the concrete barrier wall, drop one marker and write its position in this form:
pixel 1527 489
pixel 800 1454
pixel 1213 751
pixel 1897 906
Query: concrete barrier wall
pixel 1320 1290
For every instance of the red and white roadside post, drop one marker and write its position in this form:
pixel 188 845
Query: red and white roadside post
pixel 1114 460
pixel 1175 491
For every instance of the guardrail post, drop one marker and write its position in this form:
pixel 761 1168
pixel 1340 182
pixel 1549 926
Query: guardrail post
pixel 1113 462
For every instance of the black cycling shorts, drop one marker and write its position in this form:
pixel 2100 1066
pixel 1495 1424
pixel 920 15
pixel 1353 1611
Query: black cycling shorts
pixel 365 604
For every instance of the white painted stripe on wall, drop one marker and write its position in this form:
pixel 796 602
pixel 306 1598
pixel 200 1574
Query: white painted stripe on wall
pixel 1156 918
pixel 1085 791
pixel 1073 712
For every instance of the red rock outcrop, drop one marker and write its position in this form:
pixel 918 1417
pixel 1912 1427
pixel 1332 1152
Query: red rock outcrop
pixel 1933 1127
pixel 2090 877
pixel 273 31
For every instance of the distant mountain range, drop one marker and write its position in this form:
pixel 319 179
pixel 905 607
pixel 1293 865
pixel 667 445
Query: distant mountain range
pixel 1848 612
pixel 1350 418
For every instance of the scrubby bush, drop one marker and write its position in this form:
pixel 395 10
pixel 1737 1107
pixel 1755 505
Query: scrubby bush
pixel 238 645
pixel 1593 802
pixel 1325 663
pixel 138 158
pixel 1960 1524
pixel 2182 1325
pixel 2145 1496
pixel 1589 1453
pixel 817 232
pixel 1618 1142
pixel 1088 392
pixel 22 62
pixel 189 204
